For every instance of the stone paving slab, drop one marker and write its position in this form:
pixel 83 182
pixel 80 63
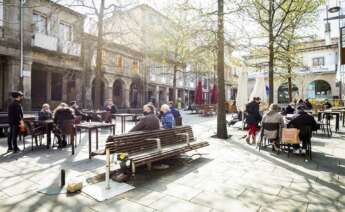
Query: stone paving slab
pixel 232 176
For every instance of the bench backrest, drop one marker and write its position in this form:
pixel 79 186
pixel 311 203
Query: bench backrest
pixel 136 141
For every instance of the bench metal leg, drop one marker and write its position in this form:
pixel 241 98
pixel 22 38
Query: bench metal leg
pixel 149 166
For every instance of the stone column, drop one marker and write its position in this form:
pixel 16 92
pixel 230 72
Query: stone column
pixel 49 86
pixel 156 93
pixel 27 85
pixel 108 95
pixel 64 88
pixel 166 95
pixel 126 95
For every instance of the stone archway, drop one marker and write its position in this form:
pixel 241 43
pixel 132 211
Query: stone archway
pixel 283 93
pixel 319 89
pixel 118 93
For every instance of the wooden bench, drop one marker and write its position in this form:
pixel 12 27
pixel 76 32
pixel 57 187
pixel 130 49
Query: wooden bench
pixel 208 109
pixel 145 147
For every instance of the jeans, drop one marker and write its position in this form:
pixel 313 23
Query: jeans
pixel 12 137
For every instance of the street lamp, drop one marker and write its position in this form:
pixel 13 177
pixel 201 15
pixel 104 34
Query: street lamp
pixel 336 9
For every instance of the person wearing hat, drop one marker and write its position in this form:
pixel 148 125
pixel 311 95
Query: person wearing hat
pixel 15 118
pixel 148 122
pixel 300 120
pixel 78 112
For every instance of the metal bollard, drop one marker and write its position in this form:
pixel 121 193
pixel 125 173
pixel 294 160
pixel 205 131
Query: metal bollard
pixel 63 178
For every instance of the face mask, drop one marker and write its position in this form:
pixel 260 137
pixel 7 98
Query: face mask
pixel 146 113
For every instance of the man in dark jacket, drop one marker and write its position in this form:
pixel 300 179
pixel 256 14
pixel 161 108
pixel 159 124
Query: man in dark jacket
pixel 148 122
pixel 299 121
pixel 61 114
pixel 78 112
pixel 15 116
pixel 253 117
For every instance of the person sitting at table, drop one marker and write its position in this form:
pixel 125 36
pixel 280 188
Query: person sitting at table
pixel 111 108
pixel 288 110
pixel 78 112
pixel 45 113
pixel 299 121
pixel 62 113
pixel 148 122
pixel 308 105
pixel 273 116
pixel 167 117
pixel 327 105
pixel 174 111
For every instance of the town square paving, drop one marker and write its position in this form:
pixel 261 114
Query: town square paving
pixel 229 176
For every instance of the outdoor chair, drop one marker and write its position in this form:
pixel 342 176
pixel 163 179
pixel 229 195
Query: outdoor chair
pixel 67 129
pixel 305 135
pixel 178 121
pixel 107 117
pixel 34 131
pixel 265 138
pixel 325 125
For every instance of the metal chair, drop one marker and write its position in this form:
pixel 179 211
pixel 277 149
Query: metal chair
pixel 325 125
pixel 34 131
pixel 273 127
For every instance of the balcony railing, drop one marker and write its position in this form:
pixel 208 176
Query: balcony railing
pixel 45 41
pixel 69 47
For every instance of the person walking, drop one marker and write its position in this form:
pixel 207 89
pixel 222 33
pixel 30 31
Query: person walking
pixel 15 119
pixel 253 117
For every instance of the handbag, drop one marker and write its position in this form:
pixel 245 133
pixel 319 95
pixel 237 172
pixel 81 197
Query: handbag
pixel 290 136
pixel 22 127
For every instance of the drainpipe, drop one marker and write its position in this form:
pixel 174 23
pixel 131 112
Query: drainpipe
pixel 21 25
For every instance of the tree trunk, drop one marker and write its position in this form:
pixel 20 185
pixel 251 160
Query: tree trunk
pixel 98 78
pixel 221 118
pixel 271 54
pixel 289 83
pixel 174 84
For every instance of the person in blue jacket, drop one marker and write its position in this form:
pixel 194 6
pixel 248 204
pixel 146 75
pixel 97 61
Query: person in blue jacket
pixel 167 118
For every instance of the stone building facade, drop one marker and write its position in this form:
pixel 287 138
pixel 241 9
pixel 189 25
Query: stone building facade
pixel 315 78
pixel 52 53
pixel 59 62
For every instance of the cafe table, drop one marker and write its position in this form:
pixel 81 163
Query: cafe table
pixel 94 126
pixel 123 117
pixel 321 114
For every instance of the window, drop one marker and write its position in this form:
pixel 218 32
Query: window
pixel 119 61
pixel 65 32
pixel 1 12
pixel 56 89
pixel 318 61
pixel 40 22
pixel 135 67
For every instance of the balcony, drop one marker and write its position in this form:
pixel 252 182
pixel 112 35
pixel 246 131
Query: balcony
pixel 69 47
pixel 44 41
pixel 319 69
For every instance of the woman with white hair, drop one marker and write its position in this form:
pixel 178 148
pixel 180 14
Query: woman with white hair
pixel 45 113
pixel 273 116
pixel 167 118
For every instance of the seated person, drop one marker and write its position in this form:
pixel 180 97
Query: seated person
pixel 78 112
pixel 300 120
pixel 148 122
pixel 167 117
pixel 45 113
pixel 273 116
pixel 308 105
pixel 288 110
pixel 111 108
pixel 62 113
pixel 327 105
pixel 174 111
